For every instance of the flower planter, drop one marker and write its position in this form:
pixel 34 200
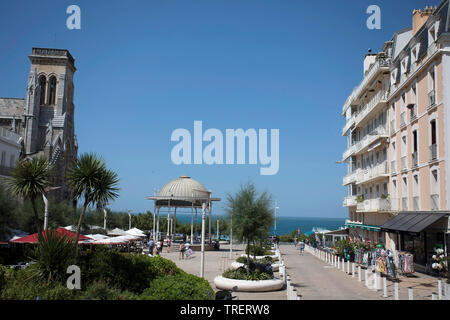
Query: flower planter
pixel 235 265
pixel 248 285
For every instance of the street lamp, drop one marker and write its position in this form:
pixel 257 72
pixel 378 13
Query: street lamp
pixel 231 235
pixel 129 223
pixel 44 198
pixel 276 208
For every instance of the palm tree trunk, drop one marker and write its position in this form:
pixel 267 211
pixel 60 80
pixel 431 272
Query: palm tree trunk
pixel 36 216
pixel 80 220
pixel 254 250
pixel 248 256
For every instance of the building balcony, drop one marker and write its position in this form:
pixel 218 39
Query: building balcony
pixel 433 152
pixel 372 106
pixel 373 205
pixel 349 201
pixel 434 202
pixel 365 142
pixel 352 177
pixel 374 173
pixel 349 123
pixel 381 65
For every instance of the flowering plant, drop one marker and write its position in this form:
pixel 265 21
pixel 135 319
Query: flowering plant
pixel 440 263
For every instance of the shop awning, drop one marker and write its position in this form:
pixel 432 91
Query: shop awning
pixel 412 221
pixel 362 226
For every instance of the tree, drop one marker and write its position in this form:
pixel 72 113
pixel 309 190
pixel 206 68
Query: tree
pixel 91 181
pixel 252 215
pixel 29 179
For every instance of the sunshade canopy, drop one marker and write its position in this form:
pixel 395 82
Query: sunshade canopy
pixel 412 221
pixel 33 238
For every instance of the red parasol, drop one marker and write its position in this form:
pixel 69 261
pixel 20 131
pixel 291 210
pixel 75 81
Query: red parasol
pixel 33 238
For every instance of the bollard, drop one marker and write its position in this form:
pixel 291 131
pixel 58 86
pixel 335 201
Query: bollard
pixel 439 290
pixel 359 273
pixel 348 266
pixel 353 269
pixel 343 264
pixel 433 296
pixel 335 261
pixel 338 263
pixel 410 294
pixel 384 288
pixel 299 298
pixel 396 291
pixel 366 275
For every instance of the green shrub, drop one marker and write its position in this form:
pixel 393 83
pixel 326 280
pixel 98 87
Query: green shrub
pixel 265 260
pixel 182 286
pixel 24 285
pixel 258 250
pixel 121 270
pixel 286 238
pixel 101 290
pixel 242 274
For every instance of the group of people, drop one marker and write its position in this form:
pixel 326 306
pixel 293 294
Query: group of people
pixel 300 245
pixel 184 248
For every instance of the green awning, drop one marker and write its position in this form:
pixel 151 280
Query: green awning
pixel 363 226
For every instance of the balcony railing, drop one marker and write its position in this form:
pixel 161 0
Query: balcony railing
pixel 431 98
pixel 403 160
pixel 405 203
pixel 416 202
pixel 434 204
pixel 413 112
pixel 373 173
pixel 433 152
pixel 349 201
pixel 351 177
pixel 393 166
pixel 373 205
pixel 380 97
pixel 414 159
pixel 368 77
pixel 368 139
pixel 349 123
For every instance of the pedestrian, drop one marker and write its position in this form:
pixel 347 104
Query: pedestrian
pixel 181 250
pixel 169 242
pixel 302 246
pixel 295 242
pixel 159 246
pixel 151 246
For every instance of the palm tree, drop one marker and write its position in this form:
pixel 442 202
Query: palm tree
pixel 30 179
pixel 89 179
pixel 252 215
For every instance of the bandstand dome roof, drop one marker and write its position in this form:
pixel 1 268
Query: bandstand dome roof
pixel 183 186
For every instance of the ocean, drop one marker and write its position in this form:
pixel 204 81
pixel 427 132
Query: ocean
pixel 287 224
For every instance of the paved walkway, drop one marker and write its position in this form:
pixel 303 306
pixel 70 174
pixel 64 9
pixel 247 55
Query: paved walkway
pixel 317 280
pixel 215 263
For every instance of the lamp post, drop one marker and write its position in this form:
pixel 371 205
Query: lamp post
pixel 44 198
pixel 202 257
pixel 129 222
pixel 276 208
pixel 231 236
pixel 104 219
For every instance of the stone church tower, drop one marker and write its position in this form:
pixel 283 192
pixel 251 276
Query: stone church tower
pixel 45 118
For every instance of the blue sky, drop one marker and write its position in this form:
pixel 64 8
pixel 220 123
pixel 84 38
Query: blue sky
pixel 146 68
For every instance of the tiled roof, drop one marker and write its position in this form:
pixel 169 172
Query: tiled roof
pixel 12 107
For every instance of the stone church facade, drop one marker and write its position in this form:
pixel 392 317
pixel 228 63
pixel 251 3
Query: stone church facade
pixel 45 117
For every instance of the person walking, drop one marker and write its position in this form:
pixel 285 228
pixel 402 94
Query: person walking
pixel 169 242
pixel 151 246
pixel 302 247
pixel 295 242
pixel 181 250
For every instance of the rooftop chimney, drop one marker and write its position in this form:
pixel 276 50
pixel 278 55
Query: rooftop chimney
pixel 419 18
pixel 369 59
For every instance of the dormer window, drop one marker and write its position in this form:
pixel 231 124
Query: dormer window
pixel 415 53
pixel 432 33
pixel 404 65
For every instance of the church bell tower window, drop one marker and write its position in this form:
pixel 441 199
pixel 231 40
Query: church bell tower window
pixel 52 91
pixel 42 85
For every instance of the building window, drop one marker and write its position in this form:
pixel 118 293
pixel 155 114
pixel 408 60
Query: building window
pixel 394 76
pixel 12 161
pixel 415 53
pixel 434 190
pixel 404 65
pixel 432 33
pixel 52 91
pixel 433 146
pixel 42 86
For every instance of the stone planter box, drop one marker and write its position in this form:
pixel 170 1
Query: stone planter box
pixel 235 265
pixel 248 285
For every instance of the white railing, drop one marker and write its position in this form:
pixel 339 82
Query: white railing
pixel 375 172
pixel 381 96
pixel 434 202
pixel 377 204
pixel 357 90
pixel 352 177
pixel 349 123
pixel 349 201
pixel 368 139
